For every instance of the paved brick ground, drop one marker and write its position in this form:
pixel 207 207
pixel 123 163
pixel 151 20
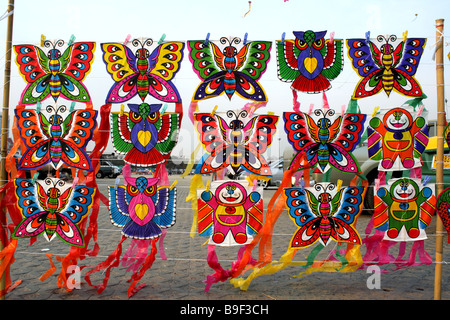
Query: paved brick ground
pixel 180 276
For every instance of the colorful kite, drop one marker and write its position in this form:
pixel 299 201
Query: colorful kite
pixel 143 73
pixel 146 134
pixel 326 140
pixel 52 208
pixel 225 69
pixel 235 144
pixel 50 72
pixel 323 213
pixel 228 70
pixel 309 62
pixel 403 209
pixel 230 213
pixel 61 137
pixel 397 137
pixel 443 208
pixel 390 66
pixel 142 210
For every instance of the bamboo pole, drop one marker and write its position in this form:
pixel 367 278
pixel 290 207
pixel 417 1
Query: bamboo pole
pixel 439 151
pixel 5 115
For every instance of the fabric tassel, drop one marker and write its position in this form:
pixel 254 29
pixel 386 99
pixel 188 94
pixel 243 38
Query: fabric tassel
pixel 268 269
pixel 196 183
pixel 162 251
pixel 7 259
pixel 51 270
pixel 193 107
pixel 137 276
pixel 221 275
pixel 101 138
pixel 296 104
pixel 111 262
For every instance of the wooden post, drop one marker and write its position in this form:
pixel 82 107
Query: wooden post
pixel 5 115
pixel 439 151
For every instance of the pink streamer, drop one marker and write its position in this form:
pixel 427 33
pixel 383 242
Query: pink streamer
pixel 162 175
pixel 295 102
pixel 325 101
pixel 221 274
pixel 191 111
pixel 135 254
pixel 162 251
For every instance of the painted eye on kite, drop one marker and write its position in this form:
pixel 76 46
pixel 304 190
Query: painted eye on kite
pixel 135 117
pixel 152 117
pixel 132 190
pixel 318 44
pixel 300 44
pixel 150 191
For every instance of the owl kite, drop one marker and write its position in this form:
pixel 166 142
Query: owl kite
pixel 143 211
pixel 310 62
pixel 144 134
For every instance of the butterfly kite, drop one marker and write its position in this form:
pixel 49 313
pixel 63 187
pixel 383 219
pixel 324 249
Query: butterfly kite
pixel 229 70
pixel 58 138
pixel 145 134
pixel 52 208
pixel 230 214
pixel 397 137
pixel 235 144
pixel 50 72
pixel 141 72
pixel 389 66
pixel 310 61
pixel 142 210
pixel 326 140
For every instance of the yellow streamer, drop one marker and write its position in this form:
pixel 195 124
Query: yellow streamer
pixel 196 183
pixel 270 268
pixel 191 163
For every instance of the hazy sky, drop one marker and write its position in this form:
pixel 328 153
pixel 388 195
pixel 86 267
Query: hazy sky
pixel 181 20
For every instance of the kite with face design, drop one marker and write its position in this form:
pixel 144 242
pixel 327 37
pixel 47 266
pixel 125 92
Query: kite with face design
pixel 403 209
pixel 229 208
pixel 397 139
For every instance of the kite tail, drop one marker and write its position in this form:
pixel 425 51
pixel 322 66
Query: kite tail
pixel 135 254
pixel 9 245
pixel 7 259
pixel 193 107
pixel 101 138
pixel 137 276
pixel 196 183
pixel 296 106
pixel 51 270
pixel 268 269
pixel 111 262
pixel 221 274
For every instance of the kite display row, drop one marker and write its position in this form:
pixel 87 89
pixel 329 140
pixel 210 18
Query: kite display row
pixel 226 66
